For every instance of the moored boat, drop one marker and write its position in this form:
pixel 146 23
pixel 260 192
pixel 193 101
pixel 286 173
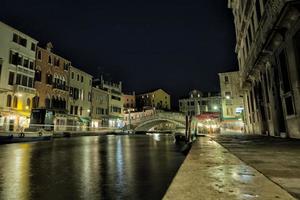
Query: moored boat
pixel 15 137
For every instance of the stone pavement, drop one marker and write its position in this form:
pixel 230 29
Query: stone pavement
pixel 277 158
pixel 210 172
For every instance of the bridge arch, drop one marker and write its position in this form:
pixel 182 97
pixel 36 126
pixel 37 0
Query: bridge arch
pixel 148 124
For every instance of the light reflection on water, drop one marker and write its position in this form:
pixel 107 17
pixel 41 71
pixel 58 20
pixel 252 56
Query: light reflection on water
pixel 106 167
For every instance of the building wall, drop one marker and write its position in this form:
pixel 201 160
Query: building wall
pixel 51 79
pixel 158 99
pixel 17 114
pixel 129 101
pixel 232 102
pixel 198 103
pixel 80 93
pixel 268 53
pixel 100 107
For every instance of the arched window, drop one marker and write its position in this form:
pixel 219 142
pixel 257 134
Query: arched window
pixel 47 102
pixel 49 79
pixel 38 75
pixel 8 101
pixel 80 110
pixel 28 103
pixel 35 102
pixel 15 102
pixel 49 60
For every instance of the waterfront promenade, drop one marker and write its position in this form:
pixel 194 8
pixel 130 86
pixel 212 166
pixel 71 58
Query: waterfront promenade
pixel 211 172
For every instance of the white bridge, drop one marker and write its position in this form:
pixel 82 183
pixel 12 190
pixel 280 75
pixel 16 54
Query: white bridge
pixel 145 121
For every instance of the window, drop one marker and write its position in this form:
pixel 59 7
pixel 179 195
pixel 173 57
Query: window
pixel 76 110
pixel 82 79
pixel 28 102
pixel 15 38
pixel 49 60
pixel 23 42
pixel 284 72
pixel 31 64
pixel 11 78
pixel 33 47
pixel 26 63
pixel 39 55
pixel 66 66
pixel 24 80
pixel 30 82
pixel 80 111
pixel 18 81
pixel 289 106
pixel 72 75
pixel 8 101
pixel 47 102
pixel 71 110
pixel 49 79
pixel 38 75
pixel 77 77
pixel 226 79
pixel 35 102
pixel 15 102
pixel 56 62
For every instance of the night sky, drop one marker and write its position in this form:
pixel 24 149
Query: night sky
pixel 177 45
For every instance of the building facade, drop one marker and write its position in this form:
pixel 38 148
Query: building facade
pixel 231 100
pixel 51 83
pixel 198 102
pixel 268 46
pixel 158 99
pixel 100 108
pixel 115 101
pixel 80 97
pixel 129 102
pixel 17 60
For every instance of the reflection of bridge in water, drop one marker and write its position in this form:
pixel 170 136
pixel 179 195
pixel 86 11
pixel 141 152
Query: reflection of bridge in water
pixel 143 121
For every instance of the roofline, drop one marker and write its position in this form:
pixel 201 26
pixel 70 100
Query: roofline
pixel 10 27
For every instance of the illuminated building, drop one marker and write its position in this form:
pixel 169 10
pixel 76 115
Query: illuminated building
pixel 80 97
pixel 129 102
pixel 51 83
pixel 100 107
pixel 115 101
pixel 17 60
pixel 199 102
pixel 158 99
pixel 268 46
pixel 232 101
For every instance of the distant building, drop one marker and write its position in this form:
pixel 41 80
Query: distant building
pixel 198 102
pixel 80 96
pixel 115 101
pixel 232 101
pixel 158 99
pixel 100 107
pixel 129 102
pixel 51 83
pixel 268 46
pixel 17 70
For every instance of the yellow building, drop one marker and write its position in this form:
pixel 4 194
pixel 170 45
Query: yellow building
pixel 158 99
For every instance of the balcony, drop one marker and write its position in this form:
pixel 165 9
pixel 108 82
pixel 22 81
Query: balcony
pixel 58 86
pixel 24 89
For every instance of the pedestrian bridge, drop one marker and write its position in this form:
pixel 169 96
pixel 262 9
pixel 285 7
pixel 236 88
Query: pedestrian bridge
pixel 142 122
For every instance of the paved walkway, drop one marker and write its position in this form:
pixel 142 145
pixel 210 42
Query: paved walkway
pixel 277 158
pixel 210 172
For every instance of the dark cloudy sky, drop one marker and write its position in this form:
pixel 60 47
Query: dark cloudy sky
pixel 177 45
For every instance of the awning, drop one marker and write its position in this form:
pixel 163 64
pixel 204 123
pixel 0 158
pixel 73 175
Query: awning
pixel 85 119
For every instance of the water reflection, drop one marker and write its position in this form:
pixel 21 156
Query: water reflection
pixel 15 172
pixel 108 167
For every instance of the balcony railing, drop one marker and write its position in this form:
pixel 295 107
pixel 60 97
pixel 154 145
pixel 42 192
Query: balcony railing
pixel 24 89
pixel 60 87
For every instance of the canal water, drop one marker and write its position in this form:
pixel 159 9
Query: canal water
pixel 100 167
